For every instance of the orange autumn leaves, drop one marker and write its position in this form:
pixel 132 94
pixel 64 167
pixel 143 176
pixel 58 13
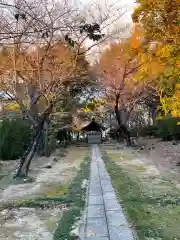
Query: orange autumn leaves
pixel 132 67
pixel 137 38
pixel 118 66
pixel 40 66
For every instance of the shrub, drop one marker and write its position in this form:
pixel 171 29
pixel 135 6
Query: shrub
pixel 134 132
pixel 148 131
pixel 168 128
pixel 14 138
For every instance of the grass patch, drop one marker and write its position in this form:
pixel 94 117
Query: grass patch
pixel 56 190
pixel 31 203
pixel 140 168
pixel 115 156
pixel 50 224
pixel 77 195
pixel 153 217
pixel 40 203
pixel 120 156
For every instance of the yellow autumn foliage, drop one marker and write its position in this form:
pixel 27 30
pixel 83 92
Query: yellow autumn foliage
pixel 160 23
pixel 160 19
pixel 12 107
pixel 171 105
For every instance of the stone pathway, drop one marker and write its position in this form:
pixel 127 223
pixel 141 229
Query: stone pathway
pixel 105 219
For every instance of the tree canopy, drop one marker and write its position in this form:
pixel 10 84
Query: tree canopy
pixel 160 23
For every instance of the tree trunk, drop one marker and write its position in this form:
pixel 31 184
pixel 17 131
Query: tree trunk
pixel 153 113
pixel 26 165
pixel 149 117
pixel 22 161
pixel 46 128
pixel 77 137
pixel 116 109
pixel 122 128
pixel 40 148
pixel 29 154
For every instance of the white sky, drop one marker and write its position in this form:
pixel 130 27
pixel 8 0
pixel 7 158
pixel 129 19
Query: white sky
pixel 120 28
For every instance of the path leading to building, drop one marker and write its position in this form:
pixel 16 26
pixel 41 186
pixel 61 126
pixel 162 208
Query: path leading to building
pixel 105 219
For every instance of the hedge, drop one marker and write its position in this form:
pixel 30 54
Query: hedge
pixel 167 128
pixel 14 138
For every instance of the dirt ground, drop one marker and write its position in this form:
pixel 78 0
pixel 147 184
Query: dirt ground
pixel 164 155
pixel 30 223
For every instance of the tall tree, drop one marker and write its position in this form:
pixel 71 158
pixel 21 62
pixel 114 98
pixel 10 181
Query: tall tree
pixel 117 67
pixel 43 57
pixel 160 23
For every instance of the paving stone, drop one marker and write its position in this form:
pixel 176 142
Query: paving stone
pixel 94 163
pixel 97 238
pixel 96 211
pixel 105 217
pixel 116 218
pixel 94 166
pixel 109 196
pixel 95 191
pixel 102 170
pixel 120 233
pixel 106 182
pixel 94 174
pixel 94 181
pixel 107 187
pixel 94 184
pixel 112 205
pixel 94 177
pixel 97 227
pixel 95 200
pixel 104 176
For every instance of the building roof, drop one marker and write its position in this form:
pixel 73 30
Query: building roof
pixel 93 126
